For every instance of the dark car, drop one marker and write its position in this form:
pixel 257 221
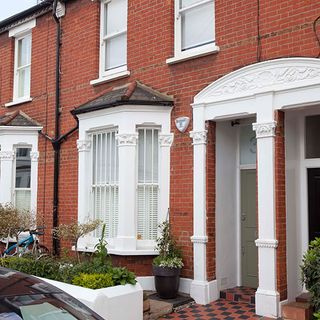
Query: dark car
pixel 25 297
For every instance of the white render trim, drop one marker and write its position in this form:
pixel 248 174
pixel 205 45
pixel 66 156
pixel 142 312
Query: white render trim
pixel 199 239
pixel 83 145
pixel 111 77
pixel 267 303
pixel 18 101
pixel 265 130
pixel 34 156
pixel 22 28
pixel 266 243
pixel 199 137
pixel 200 51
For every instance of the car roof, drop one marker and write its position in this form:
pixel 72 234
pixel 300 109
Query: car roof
pixel 13 283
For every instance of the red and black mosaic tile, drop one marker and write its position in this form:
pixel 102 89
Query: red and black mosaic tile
pixel 218 310
pixel 243 294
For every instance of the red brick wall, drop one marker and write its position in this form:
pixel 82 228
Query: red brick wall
pixel 280 190
pixel 286 30
pixel 211 200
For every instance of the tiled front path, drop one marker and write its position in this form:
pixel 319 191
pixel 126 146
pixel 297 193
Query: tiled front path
pixel 218 310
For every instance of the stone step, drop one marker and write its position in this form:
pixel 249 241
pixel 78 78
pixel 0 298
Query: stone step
pixel 239 294
pixel 304 297
pixel 297 311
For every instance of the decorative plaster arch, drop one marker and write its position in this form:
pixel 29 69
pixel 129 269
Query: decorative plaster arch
pixel 272 75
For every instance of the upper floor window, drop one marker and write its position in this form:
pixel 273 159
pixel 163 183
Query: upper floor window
pixel 194 29
pixel 113 34
pixel 22 69
pixel 22 62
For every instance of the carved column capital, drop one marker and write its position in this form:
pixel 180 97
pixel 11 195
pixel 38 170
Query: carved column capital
pixel 6 155
pixel 127 139
pixel 199 137
pixel 83 145
pixel 265 130
pixel 267 243
pixel 166 140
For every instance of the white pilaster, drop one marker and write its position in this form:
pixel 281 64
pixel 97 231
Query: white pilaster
pixel 201 290
pixel 34 155
pixel 126 239
pixel 165 141
pixel 6 183
pixel 267 297
pixel 84 147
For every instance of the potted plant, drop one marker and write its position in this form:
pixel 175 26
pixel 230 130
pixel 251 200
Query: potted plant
pixel 167 266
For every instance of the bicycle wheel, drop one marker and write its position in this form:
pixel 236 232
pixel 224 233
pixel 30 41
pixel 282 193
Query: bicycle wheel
pixel 41 251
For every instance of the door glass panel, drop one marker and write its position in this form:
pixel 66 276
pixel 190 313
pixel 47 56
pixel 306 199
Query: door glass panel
pixel 312 137
pixel 248 145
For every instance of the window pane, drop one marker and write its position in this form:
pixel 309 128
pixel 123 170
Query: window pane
pixel 312 137
pixel 197 26
pixel 187 3
pixel 116 52
pixel 24 51
pixel 115 16
pixel 23 199
pixel 248 145
pixel 105 181
pixel 23 168
pixel 24 82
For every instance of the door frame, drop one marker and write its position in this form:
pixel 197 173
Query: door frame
pixel 238 200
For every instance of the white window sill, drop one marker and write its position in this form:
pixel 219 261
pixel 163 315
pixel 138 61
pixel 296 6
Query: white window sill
pixel 193 53
pixel 18 101
pixel 138 252
pixel 111 77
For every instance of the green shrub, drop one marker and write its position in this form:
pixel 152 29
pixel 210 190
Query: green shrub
pixel 122 276
pixel 94 280
pixel 311 272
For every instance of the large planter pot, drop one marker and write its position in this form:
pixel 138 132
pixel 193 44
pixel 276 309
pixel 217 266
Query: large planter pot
pixel 166 281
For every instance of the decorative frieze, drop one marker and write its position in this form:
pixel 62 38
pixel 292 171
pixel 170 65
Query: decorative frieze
pixel 199 239
pixel 166 140
pixel 34 155
pixel 199 137
pixel 264 130
pixel 83 145
pixel 6 155
pixel 266 243
pixel 127 139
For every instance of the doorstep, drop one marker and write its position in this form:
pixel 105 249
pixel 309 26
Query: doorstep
pixel 160 307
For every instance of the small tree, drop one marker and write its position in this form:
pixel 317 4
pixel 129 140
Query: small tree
pixel 74 231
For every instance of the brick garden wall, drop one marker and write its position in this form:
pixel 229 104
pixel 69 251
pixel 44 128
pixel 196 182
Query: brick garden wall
pixel 285 28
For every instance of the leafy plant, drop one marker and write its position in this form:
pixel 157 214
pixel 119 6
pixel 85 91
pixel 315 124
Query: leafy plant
pixel 93 281
pixel 74 231
pixel 311 273
pixel 122 276
pixel 169 254
pixel 101 252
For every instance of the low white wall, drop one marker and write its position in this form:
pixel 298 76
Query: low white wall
pixel 108 302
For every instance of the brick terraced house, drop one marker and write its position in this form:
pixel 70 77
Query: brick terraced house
pixel 95 102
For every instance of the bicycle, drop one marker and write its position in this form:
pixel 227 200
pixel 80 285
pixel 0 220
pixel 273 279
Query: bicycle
pixel 28 245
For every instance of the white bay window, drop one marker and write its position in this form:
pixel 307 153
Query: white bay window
pixel 194 29
pixel 124 175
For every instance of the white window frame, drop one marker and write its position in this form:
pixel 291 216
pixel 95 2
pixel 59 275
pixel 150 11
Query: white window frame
pixel 115 73
pixel 12 138
pixel 127 120
pixel 201 50
pixel 19 32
